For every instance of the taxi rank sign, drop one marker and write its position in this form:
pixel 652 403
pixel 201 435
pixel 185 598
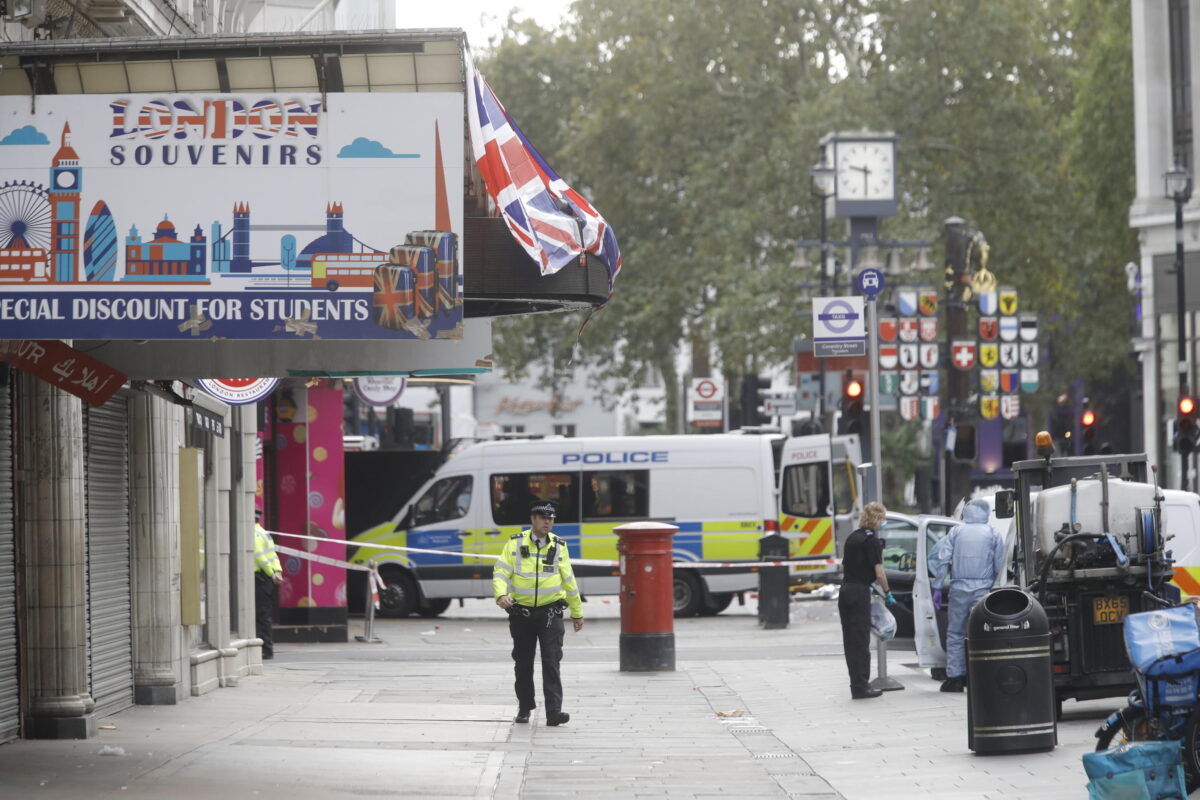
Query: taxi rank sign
pixel 838 327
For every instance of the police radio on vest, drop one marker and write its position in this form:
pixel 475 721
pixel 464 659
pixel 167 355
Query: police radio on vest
pixel 635 457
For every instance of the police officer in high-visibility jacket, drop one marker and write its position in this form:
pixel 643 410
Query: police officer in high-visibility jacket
pixel 533 581
pixel 267 575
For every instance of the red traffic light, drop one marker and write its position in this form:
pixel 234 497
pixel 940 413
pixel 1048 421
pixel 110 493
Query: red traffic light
pixel 854 389
pixel 1088 419
pixel 1186 406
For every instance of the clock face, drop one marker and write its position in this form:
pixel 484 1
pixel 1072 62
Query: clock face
pixel 866 170
pixel 64 180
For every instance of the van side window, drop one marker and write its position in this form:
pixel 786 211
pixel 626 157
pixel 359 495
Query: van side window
pixel 806 490
pixel 447 499
pixel 623 495
pixel 513 492
pixel 844 491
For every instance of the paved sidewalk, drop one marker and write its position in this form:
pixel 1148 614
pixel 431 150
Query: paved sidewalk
pixel 428 713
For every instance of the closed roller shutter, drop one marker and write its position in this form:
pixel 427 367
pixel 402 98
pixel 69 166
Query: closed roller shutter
pixel 10 704
pixel 110 636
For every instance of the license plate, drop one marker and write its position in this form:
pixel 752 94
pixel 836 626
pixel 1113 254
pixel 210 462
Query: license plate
pixel 1110 610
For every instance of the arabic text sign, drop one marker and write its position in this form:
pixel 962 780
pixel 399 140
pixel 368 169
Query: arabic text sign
pixel 65 367
pixel 838 326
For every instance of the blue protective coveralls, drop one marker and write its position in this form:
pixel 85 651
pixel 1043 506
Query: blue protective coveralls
pixel 973 552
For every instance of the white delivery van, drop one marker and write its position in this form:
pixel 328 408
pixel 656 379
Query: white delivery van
pixel 818 497
pixel 718 489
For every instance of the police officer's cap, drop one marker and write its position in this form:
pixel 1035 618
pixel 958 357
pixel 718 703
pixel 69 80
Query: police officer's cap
pixel 543 508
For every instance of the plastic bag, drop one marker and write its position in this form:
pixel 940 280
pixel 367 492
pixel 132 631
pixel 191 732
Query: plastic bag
pixel 883 624
pixel 1136 771
pixel 1150 635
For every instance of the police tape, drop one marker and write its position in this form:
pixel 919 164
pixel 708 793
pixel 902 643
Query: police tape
pixel 790 561
pixel 376 581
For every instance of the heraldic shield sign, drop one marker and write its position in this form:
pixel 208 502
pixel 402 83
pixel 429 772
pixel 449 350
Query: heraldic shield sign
pixel 889 356
pixel 888 327
pixel 989 354
pixel 906 302
pixel 988 303
pixel 927 302
pixel 1008 302
pixel 989 329
pixel 910 408
pixel 989 406
pixel 928 329
pixel 1010 406
pixel 962 353
pixel 908 329
pixel 909 356
pixel 929 356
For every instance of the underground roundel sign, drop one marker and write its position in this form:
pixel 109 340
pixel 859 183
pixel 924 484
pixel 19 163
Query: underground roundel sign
pixel 238 391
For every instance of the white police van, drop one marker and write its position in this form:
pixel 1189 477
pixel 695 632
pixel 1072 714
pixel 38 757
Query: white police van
pixel 717 489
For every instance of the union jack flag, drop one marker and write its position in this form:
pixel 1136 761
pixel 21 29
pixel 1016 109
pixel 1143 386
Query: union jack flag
pixel 552 221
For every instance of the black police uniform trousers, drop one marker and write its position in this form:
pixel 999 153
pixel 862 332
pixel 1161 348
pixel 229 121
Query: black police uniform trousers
pixel 264 611
pixel 542 628
pixel 854 607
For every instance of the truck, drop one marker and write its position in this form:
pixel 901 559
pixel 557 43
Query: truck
pixel 1090 542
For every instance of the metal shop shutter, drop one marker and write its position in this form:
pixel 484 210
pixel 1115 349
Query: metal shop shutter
pixel 110 635
pixel 10 704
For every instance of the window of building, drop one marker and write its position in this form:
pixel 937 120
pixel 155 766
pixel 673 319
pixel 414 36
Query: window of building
pixel 513 492
pixel 616 495
pixel 512 429
pixel 806 490
pixel 565 430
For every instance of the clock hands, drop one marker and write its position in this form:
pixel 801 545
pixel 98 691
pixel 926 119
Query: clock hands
pixel 866 171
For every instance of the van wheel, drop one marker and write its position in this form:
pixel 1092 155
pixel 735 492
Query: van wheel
pixel 398 597
pixel 434 607
pixel 716 603
pixel 689 597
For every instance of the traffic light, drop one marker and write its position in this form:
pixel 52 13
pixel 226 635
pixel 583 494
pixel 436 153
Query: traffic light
pixel 1186 432
pixel 1087 427
pixel 853 419
pixel 753 389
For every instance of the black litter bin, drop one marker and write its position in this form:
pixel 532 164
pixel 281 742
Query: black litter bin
pixel 1010 685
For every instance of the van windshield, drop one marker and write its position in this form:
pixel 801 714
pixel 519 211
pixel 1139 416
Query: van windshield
pixel 447 499
pixel 806 490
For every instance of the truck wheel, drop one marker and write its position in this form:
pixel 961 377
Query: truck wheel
pixel 434 607
pixel 398 598
pixel 715 603
pixel 689 596
pixel 1131 727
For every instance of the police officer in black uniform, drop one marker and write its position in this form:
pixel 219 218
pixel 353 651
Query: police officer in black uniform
pixel 862 564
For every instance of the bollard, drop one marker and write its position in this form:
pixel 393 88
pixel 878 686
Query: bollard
pixel 773 597
pixel 647 596
pixel 883 682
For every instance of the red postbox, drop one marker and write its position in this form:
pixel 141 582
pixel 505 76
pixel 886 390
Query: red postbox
pixel 647 596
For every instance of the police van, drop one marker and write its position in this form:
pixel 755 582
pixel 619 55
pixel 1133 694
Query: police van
pixel 717 489
pixel 818 498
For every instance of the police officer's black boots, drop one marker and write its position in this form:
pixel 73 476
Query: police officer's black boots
pixel 557 718
pixel 522 715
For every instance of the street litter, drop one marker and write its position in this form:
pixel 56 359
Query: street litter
pixel 109 750
pixel 829 591
pixel 737 713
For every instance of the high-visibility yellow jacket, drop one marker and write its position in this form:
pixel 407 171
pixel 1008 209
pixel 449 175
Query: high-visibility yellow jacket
pixel 536 576
pixel 266 560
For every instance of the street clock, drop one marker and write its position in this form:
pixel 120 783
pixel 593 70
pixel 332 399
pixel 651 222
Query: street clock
pixel 864 167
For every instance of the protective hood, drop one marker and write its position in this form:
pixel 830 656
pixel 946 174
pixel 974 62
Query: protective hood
pixel 976 511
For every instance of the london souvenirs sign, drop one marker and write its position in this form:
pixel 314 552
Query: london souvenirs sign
pixel 231 216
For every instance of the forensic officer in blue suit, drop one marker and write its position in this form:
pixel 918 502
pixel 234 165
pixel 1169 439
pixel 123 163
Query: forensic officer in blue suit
pixel 973 553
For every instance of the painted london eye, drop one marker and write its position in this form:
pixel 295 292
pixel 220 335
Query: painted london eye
pixel 25 225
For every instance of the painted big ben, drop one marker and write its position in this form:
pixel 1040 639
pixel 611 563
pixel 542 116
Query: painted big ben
pixel 66 181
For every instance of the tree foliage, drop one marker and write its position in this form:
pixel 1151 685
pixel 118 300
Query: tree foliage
pixel 691 124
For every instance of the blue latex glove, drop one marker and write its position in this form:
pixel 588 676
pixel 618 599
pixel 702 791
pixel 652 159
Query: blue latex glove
pixel 937 599
pixel 890 599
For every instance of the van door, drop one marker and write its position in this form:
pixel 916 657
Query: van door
pixel 1181 522
pixel 929 624
pixel 440 520
pixel 845 457
pixel 806 501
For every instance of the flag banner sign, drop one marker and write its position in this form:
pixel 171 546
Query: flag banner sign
pixel 1010 406
pixel 989 354
pixel 989 406
pixel 989 329
pixel 928 329
pixel 1029 380
pixel 988 303
pixel 1029 327
pixel 889 356
pixel 260 215
pixel 989 381
pixel 888 328
pixel 552 221
pixel 909 356
pixel 1029 354
pixel 930 408
pixel 1010 355
pixel 910 408
pixel 910 382
pixel 889 382
pixel 908 329
pixel 929 382
pixel 1009 329
pixel 929 355
pixel 927 302
pixel 1008 302
pixel 1010 380
pixel 906 302
pixel 962 354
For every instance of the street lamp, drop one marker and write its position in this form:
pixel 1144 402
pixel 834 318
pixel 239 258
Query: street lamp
pixel 822 177
pixel 1179 189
